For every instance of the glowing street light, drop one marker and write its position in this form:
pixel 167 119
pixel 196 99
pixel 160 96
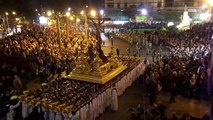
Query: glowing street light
pixel 170 24
pixel 36 10
pixel 204 6
pixel 6 13
pixel 72 18
pixel 102 12
pixel 205 16
pixel 77 20
pixel 49 23
pixel 14 13
pixel 144 12
pixel 82 12
pixel 69 9
pixel 93 13
pixel 43 20
pixel 67 14
pixel 210 2
pixel 49 13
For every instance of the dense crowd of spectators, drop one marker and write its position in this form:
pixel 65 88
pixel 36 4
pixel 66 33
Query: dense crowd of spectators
pixel 132 26
pixel 185 70
pixel 157 112
pixel 188 65
pixel 36 53
pixel 64 96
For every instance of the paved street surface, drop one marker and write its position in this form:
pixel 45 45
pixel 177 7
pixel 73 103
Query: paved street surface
pixel 123 45
pixel 134 95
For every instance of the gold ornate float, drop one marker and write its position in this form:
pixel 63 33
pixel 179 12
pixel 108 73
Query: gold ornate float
pixel 97 71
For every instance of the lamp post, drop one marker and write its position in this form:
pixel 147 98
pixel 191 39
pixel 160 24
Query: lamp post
pixel 58 32
pixel 210 74
pixel 14 13
pixel 84 13
pixel 211 8
pixel 2 18
pixel 56 15
pixel 210 78
pixel 211 5
pixel 15 21
pixel 67 24
pixel 7 22
pixel 97 22
pixel 77 21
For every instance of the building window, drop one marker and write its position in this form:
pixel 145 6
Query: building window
pixel 189 3
pixel 110 5
pixel 159 4
pixel 118 5
pixel 125 5
pixel 169 3
pixel 132 6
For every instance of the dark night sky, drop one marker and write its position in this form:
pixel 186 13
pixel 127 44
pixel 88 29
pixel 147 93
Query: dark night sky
pixel 27 7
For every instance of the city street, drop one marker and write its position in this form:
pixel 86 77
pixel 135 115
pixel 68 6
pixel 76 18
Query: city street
pixel 106 60
pixel 135 95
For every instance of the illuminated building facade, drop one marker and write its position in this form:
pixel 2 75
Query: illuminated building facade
pixel 123 9
pixel 156 5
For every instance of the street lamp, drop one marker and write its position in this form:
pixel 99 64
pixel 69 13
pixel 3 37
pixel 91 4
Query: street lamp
pixel 43 20
pixel 144 12
pixel 93 13
pixel 204 6
pixel 56 16
pixel 14 13
pixel 14 22
pixel 7 22
pixel 210 79
pixel 67 14
pixel 82 12
pixel 49 13
pixel 71 18
pixel 77 20
pixel 67 24
pixel 210 2
pixel 102 12
pixel 85 24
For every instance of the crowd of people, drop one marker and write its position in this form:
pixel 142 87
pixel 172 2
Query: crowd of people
pixel 70 98
pixel 144 42
pixel 40 55
pixel 157 112
pixel 186 70
pixel 129 26
pixel 36 53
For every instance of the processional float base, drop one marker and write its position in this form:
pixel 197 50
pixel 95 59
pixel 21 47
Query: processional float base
pixel 96 77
